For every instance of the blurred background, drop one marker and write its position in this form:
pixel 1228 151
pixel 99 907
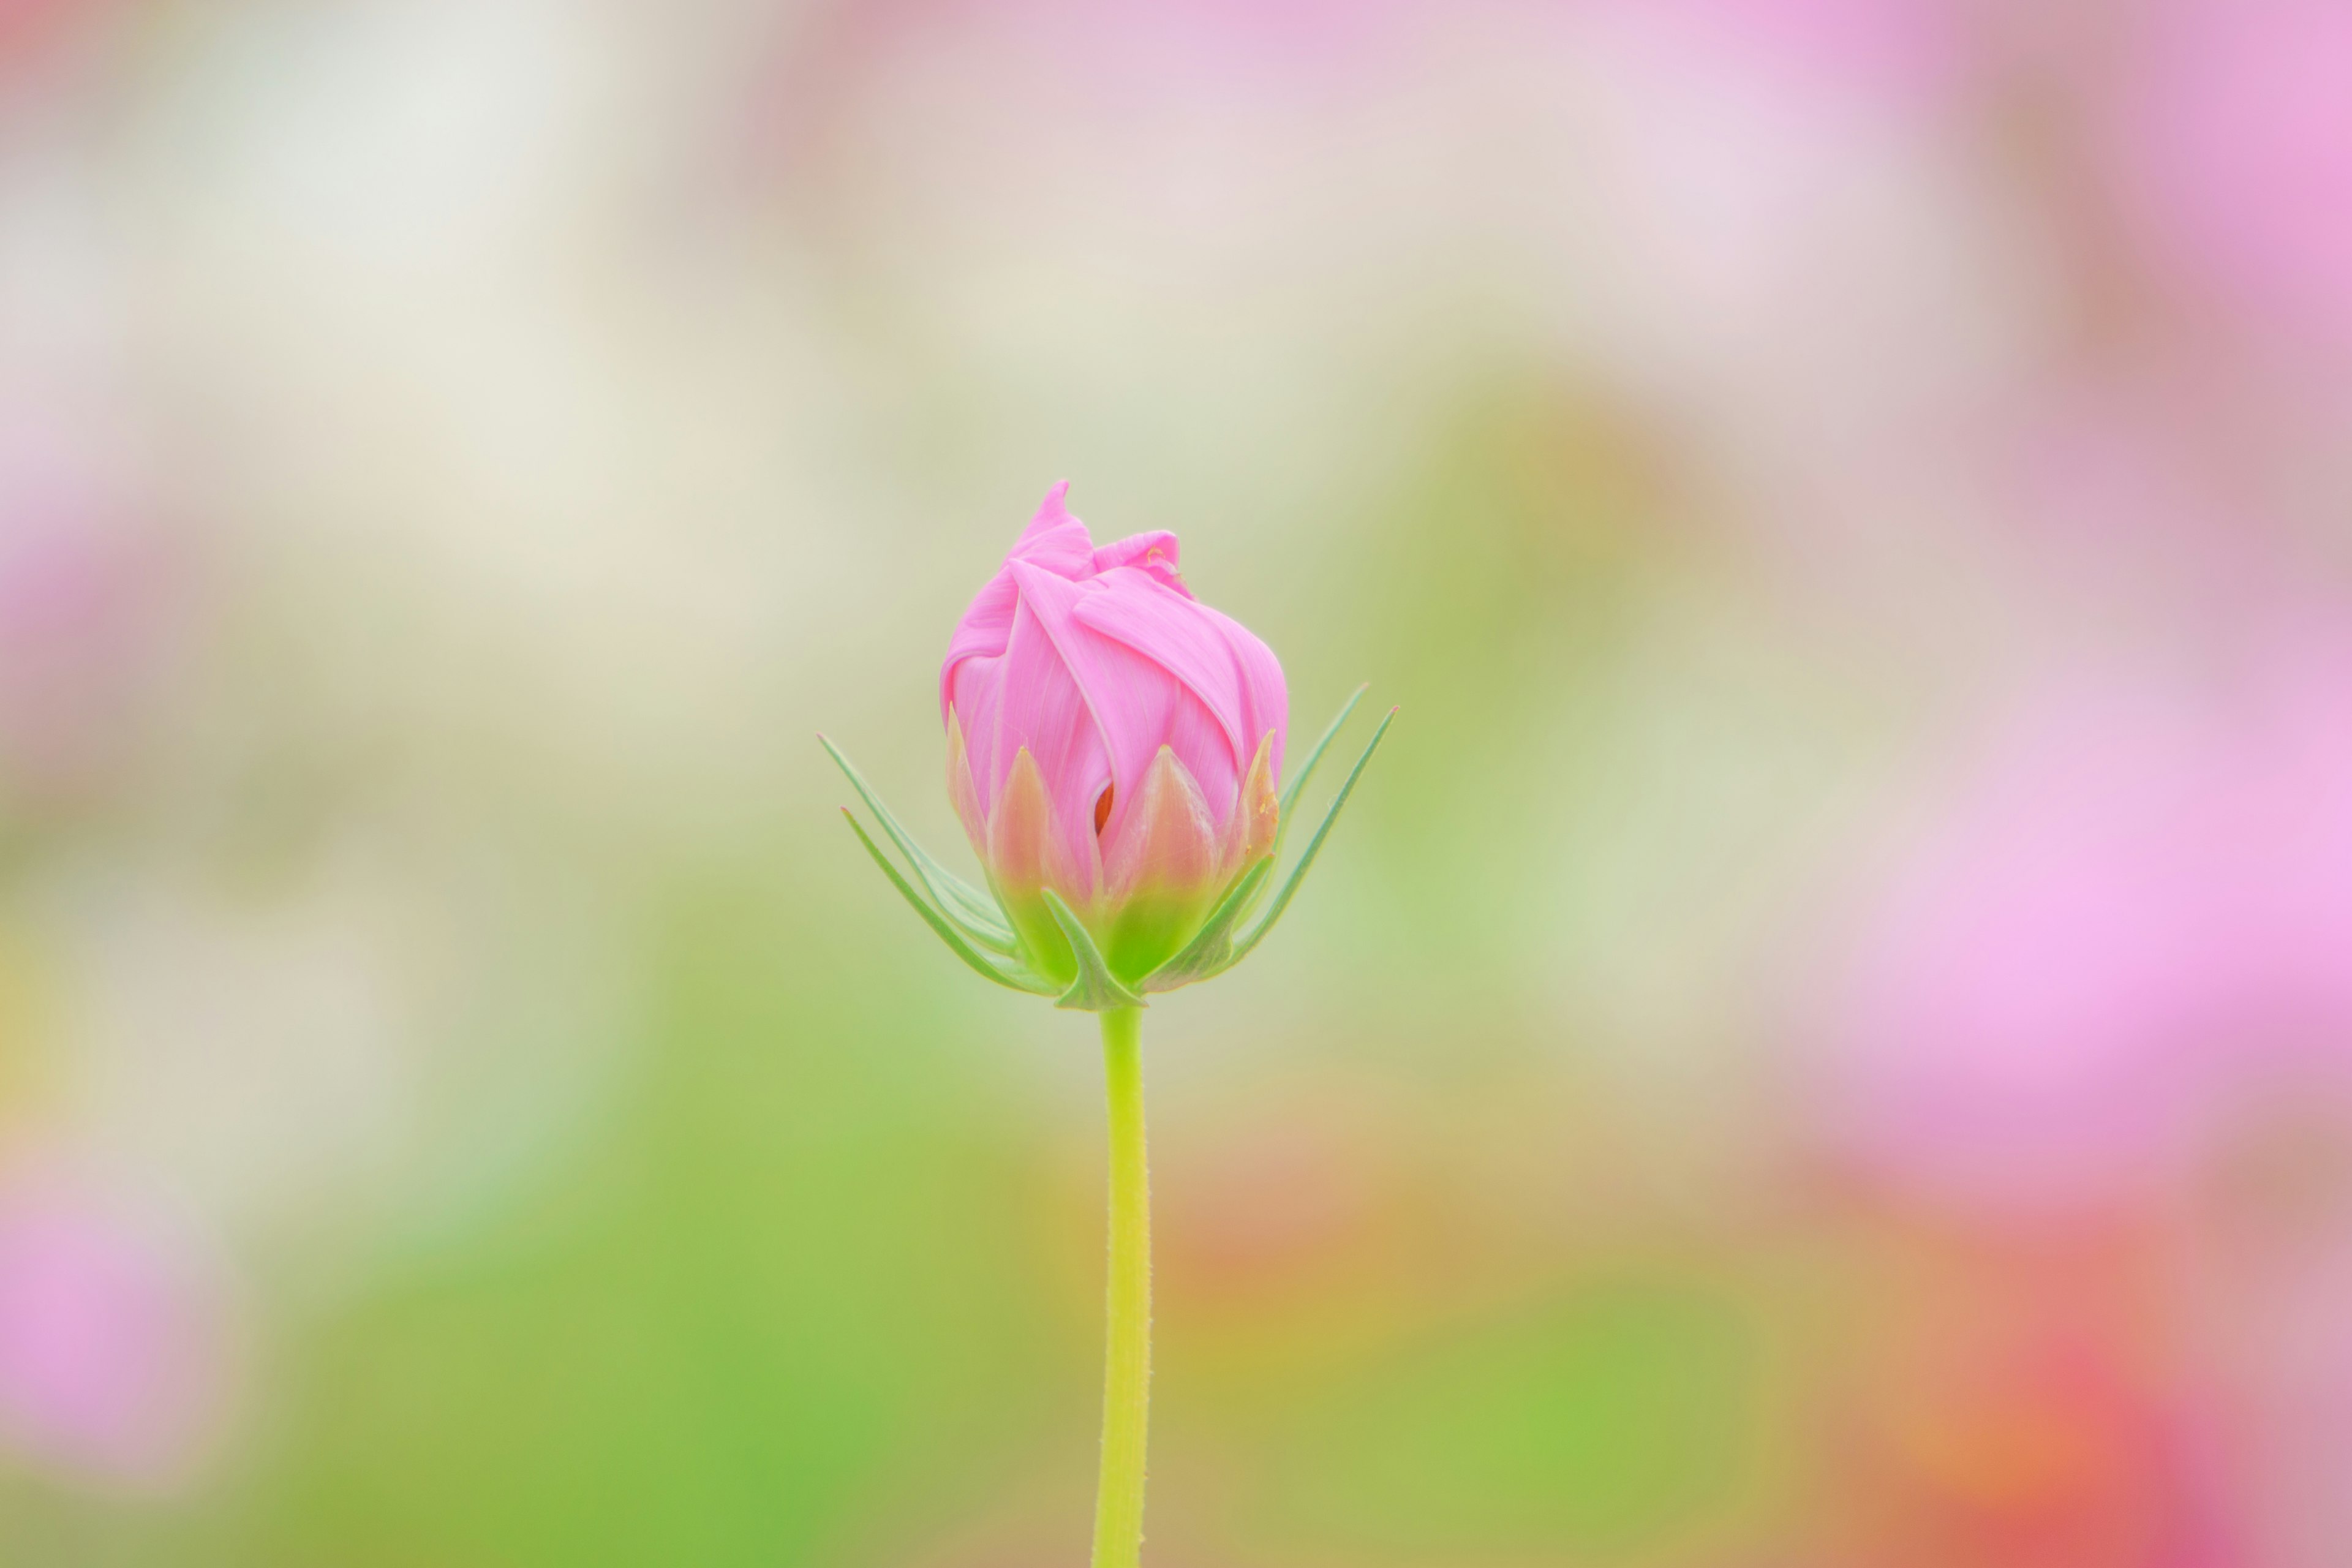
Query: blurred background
pixel 1823 1041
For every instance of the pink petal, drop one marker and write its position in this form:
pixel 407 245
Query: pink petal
pixel 975 696
pixel 982 633
pixel 1036 705
pixel 1265 695
pixel 1188 729
pixel 1235 676
pixel 1133 609
pixel 1154 554
pixel 1055 541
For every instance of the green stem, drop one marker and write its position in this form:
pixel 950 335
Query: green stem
pixel 1126 1355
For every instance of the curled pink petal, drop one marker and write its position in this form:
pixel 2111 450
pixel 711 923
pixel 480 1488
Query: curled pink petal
pixel 1153 554
pixel 1055 540
pixel 1170 631
pixel 1264 696
pixel 1036 705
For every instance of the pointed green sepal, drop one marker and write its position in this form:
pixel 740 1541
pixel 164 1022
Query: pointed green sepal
pixel 1017 976
pixel 1298 872
pixel 1095 990
pixel 1210 950
pixel 1298 779
pixel 968 907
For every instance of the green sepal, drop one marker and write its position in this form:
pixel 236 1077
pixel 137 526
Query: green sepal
pixel 1095 990
pixel 1210 951
pixel 1298 779
pixel 1016 976
pixel 968 907
pixel 1299 873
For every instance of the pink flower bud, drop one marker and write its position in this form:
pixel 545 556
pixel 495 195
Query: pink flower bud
pixel 1111 739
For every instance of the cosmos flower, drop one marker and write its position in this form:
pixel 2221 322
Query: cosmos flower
pixel 1115 749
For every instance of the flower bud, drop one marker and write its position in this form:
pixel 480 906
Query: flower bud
pixel 1114 751
pixel 1111 740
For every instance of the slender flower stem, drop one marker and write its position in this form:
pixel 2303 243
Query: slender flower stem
pixel 1126 1355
